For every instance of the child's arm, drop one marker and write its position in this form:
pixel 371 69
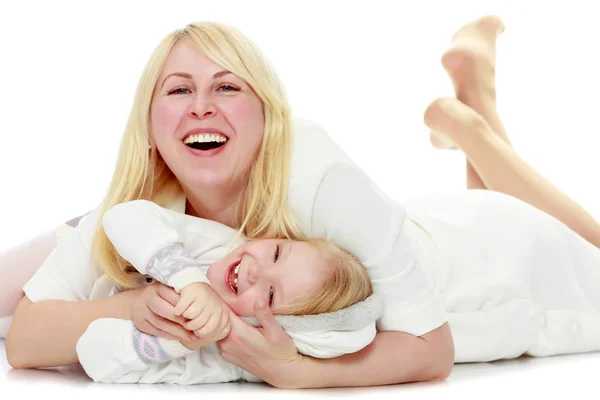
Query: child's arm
pixel 146 235
pixel 113 350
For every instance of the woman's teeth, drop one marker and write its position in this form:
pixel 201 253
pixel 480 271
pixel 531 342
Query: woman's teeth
pixel 205 138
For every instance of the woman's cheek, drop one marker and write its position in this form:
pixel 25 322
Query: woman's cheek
pixel 166 117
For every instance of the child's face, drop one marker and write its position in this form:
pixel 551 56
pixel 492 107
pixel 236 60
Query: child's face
pixel 275 271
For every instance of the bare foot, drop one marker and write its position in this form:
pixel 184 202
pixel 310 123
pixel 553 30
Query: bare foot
pixel 471 64
pixel 471 59
pixel 454 122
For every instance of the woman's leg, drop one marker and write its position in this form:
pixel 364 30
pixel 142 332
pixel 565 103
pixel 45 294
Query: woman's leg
pixel 491 161
pixel 471 64
pixel 501 169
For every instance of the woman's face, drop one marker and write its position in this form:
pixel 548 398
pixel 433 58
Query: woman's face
pixel 273 271
pixel 206 123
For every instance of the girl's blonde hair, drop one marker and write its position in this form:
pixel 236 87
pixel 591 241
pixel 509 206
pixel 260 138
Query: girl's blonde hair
pixel 141 173
pixel 349 283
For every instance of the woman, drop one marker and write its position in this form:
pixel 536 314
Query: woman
pixel 210 135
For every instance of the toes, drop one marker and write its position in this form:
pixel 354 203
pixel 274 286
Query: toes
pixel 492 23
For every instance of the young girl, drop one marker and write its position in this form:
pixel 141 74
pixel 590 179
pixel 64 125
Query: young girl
pixel 193 256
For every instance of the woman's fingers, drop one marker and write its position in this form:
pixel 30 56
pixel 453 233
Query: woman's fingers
pixel 150 329
pixel 159 306
pixel 170 328
pixel 167 293
pixel 271 328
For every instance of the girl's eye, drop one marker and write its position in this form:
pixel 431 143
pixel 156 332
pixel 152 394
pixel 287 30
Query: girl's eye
pixel 179 91
pixel 276 253
pixel 271 295
pixel 228 88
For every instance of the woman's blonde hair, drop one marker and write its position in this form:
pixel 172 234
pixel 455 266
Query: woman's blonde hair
pixel 141 173
pixel 349 283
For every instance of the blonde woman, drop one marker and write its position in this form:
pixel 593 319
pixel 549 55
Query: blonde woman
pixel 210 135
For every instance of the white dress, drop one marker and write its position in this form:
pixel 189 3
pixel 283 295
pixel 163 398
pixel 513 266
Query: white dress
pixel 513 279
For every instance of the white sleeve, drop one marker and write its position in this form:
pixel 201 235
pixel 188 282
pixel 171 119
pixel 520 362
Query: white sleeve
pixel 114 351
pixel 68 273
pixel 147 236
pixel 351 211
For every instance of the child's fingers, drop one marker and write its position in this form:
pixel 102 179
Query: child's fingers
pixel 198 322
pixel 209 327
pixel 194 310
pixel 182 305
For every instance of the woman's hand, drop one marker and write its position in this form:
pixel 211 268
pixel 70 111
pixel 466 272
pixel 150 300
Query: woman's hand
pixel 268 352
pixel 154 313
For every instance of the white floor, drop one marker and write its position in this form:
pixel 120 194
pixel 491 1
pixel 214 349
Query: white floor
pixel 576 376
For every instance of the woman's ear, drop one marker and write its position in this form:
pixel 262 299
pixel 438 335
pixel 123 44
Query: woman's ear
pixel 151 143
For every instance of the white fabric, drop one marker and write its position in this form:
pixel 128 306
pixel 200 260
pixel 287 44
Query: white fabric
pixel 139 229
pixel 513 279
pixel 107 355
pixel 331 197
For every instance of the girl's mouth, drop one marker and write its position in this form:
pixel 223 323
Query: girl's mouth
pixel 231 277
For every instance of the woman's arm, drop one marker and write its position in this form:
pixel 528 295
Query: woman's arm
pixel 44 334
pixel 393 357
pixel 17 266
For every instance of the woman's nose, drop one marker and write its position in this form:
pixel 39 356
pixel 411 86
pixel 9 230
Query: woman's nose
pixel 202 107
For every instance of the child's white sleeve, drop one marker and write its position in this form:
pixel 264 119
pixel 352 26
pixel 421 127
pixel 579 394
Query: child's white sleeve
pixel 147 236
pixel 113 350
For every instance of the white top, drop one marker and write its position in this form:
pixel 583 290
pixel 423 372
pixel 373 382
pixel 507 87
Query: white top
pixel 172 247
pixel 330 197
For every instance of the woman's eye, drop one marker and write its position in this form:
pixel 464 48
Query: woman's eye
pixel 228 88
pixel 179 91
pixel 276 253
pixel 271 295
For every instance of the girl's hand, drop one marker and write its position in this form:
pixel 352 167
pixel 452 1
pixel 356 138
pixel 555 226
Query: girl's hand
pixel 268 352
pixel 206 314
pixel 154 313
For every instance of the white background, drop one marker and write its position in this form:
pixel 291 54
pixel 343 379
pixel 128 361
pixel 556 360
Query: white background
pixel 364 70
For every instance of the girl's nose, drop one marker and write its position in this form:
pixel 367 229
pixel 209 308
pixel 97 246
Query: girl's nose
pixel 253 272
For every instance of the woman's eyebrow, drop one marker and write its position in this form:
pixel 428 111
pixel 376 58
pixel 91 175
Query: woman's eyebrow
pixel 220 74
pixel 181 74
pixel 189 76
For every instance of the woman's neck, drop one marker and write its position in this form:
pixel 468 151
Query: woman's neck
pixel 224 208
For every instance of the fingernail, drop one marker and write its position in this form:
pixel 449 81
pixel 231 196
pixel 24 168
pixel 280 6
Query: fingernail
pixel 260 304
